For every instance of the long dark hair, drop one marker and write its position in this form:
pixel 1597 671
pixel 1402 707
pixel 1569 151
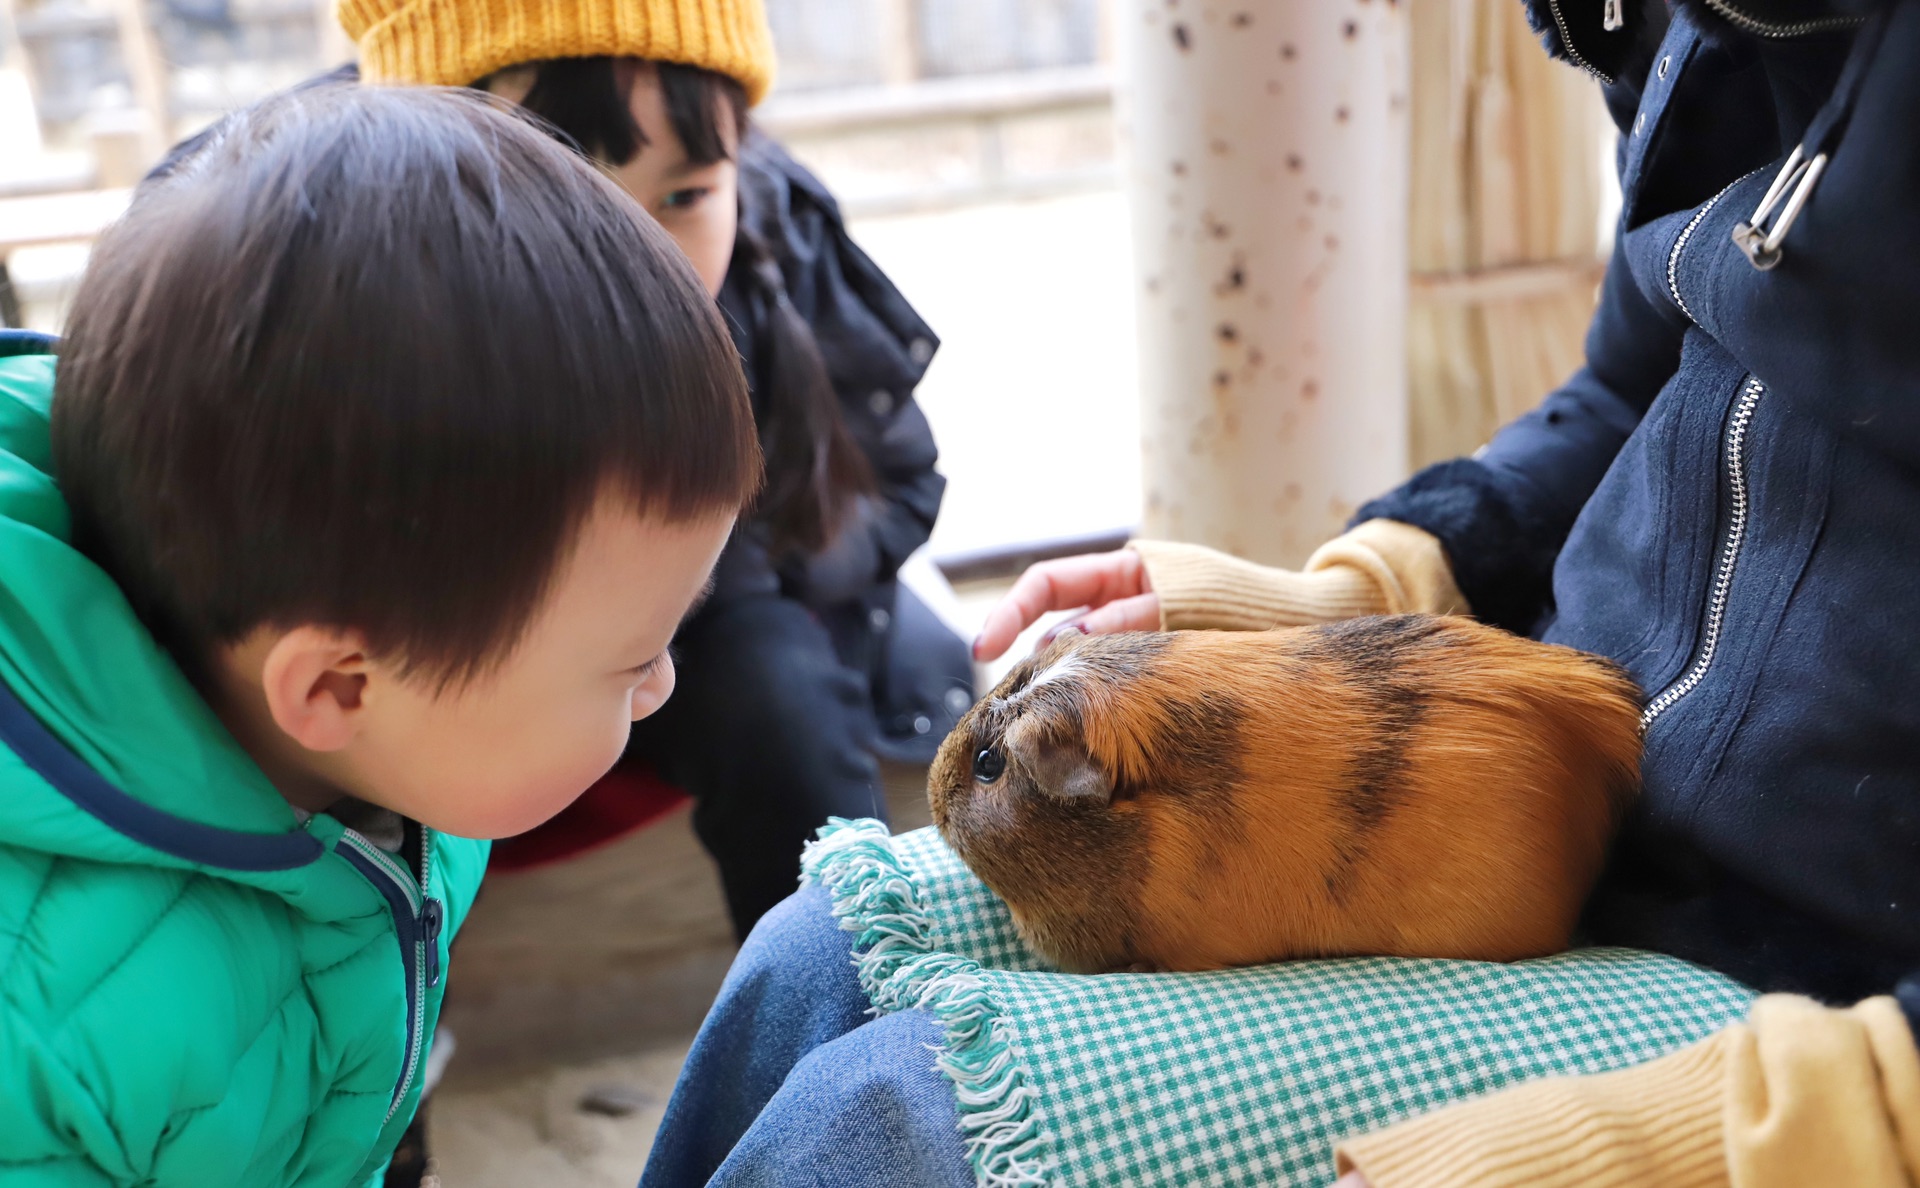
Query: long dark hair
pixel 815 468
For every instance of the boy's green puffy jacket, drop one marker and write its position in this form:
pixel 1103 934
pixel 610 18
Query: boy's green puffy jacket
pixel 194 989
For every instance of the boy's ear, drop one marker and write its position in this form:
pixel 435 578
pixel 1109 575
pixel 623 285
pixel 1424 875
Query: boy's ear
pixel 315 680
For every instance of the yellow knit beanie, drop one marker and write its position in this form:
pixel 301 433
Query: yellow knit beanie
pixel 456 42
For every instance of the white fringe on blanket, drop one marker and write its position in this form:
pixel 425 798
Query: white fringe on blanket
pixel 874 896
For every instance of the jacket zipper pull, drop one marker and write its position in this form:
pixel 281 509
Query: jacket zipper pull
pixel 1613 18
pixel 431 917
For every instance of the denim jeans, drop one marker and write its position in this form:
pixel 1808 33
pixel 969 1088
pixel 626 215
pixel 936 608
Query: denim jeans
pixel 791 1083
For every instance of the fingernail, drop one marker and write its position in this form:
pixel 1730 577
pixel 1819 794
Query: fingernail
pixel 1055 632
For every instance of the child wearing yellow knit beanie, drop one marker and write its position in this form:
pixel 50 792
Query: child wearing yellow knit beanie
pixel 455 42
pixel 808 659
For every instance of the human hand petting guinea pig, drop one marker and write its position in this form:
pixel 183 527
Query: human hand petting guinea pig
pixel 1379 567
pixel 1413 786
pixel 1113 588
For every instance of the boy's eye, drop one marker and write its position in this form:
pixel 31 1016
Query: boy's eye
pixel 680 199
pixel 646 670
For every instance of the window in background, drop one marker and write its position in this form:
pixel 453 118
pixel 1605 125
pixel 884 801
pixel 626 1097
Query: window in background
pixel 827 44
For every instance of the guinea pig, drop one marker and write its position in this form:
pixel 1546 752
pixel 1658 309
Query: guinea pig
pixel 1411 786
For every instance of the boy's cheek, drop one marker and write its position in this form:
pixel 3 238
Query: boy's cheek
pixel 497 812
pixel 500 784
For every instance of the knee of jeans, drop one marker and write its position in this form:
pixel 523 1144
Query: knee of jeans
pixel 795 975
pixel 889 1057
pixel 867 1109
pixel 798 938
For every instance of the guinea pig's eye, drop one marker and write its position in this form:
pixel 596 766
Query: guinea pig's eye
pixel 988 763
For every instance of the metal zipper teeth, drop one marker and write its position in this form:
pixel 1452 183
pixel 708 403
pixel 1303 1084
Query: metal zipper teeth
pixel 416 899
pixel 419 978
pixel 1729 558
pixel 426 864
pixel 1566 39
pixel 1686 233
pixel 1732 15
pixel 419 1030
pixel 1760 28
pixel 385 861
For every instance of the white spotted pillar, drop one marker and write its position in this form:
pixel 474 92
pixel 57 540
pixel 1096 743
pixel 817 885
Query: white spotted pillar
pixel 1267 169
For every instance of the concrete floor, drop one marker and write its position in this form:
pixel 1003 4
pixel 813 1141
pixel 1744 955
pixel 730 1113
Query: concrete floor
pixel 534 1130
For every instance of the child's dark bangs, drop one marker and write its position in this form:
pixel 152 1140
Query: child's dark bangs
pixel 585 99
pixel 697 101
pixel 589 101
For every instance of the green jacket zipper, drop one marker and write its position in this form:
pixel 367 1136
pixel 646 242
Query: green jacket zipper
pixel 421 927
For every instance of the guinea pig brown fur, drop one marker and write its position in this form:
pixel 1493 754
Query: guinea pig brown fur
pixel 1410 786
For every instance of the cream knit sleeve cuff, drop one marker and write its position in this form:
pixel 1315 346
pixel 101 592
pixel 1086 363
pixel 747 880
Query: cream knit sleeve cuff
pixel 1408 564
pixel 1798 1094
pixel 1381 567
pixel 1656 1123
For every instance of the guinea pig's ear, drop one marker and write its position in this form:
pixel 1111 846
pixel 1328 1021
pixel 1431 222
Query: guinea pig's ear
pixel 1059 767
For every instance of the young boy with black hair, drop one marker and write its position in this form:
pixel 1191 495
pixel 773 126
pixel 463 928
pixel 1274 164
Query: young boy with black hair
pixel 809 645
pixel 388 445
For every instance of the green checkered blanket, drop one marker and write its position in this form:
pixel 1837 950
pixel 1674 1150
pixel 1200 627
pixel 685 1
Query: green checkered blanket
pixel 1245 1076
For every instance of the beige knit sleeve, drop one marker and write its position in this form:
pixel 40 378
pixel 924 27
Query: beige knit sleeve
pixel 1381 567
pixel 1799 1094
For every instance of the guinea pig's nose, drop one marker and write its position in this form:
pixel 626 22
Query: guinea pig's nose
pixel 988 764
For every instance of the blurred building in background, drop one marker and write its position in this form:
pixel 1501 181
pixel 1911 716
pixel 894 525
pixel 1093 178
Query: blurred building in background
pixel 97 68
pixel 840 43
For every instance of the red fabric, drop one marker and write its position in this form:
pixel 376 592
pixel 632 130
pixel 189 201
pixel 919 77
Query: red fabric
pixel 627 798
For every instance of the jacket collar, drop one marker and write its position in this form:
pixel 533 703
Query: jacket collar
pixel 175 836
pixel 1575 30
